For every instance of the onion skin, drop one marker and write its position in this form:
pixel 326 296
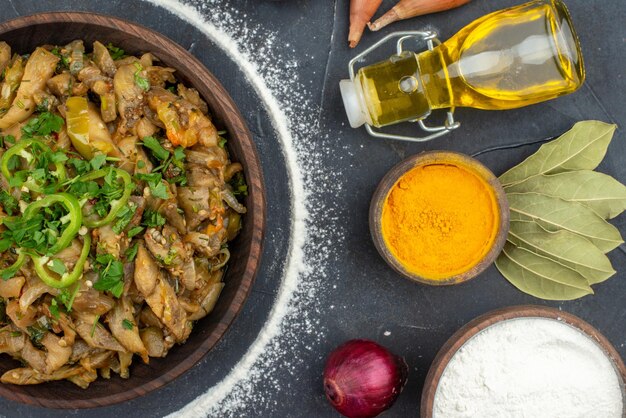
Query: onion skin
pixel 363 379
pixel 406 9
pixel 361 11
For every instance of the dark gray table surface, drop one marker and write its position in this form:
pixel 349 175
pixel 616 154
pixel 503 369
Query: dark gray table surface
pixel 366 297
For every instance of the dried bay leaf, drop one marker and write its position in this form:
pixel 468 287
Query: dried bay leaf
pixel 601 192
pixel 558 235
pixel 555 214
pixel 564 247
pixel 581 148
pixel 539 276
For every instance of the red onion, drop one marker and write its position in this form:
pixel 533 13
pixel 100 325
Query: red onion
pixel 363 379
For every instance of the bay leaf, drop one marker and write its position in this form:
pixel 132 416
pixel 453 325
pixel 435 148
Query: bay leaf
pixel 564 247
pixel 581 148
pixel 601 192
pixel 554 214
pixel 539 276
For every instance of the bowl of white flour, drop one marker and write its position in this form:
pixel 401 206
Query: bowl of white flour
pixel 526 361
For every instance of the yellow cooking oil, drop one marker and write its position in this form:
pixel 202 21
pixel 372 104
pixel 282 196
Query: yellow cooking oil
pixel 392 91
pixel 508 59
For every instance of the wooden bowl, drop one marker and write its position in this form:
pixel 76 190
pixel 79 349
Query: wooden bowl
pixel 456 341
pixel 428 158
pixel 24 34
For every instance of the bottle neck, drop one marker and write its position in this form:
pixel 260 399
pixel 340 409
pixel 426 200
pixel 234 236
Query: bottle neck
pixel 435 78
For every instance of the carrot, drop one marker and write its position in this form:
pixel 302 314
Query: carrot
pixel 411 8
pixel 361 11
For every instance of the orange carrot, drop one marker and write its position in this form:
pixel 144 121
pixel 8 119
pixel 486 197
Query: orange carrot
pixel 361 11
pixel 411 8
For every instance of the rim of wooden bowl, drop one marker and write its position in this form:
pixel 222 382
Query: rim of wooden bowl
pixel 469 330
pixel 437 157
pixel 191 71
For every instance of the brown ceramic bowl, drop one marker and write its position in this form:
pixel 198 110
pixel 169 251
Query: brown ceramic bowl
pixel 24 34
pixel 432 158
pixel 456 341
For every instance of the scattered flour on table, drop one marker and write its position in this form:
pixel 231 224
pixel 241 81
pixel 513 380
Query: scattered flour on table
pixel 529 367
pixel 275 80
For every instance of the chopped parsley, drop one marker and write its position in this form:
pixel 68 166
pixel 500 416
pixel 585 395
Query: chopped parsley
pixel 115 52
pixel 13 163
pixel 155 182
pixel 7 139
pixel 67 298
pixel 155 146
pixel 57 266
pixel 8 202
pixel 98 161
pixel 39 158
pixel 18 178
pixel 131 252
pixel 101 196
pixel 44 106
pixel 127 324
pixel 159 190
pixel 81 166
pixel 222 141
pixel 169 258
pixel 37 233
pixel 179 154
pixel 123 217
pixel 171 164
pixel 54 309
pixel 141 81
pixel 42 125
pixel 37 331
pixel 152 219
pixel 238 183
pixel 111 275
pixel 64 59
pixel 134 231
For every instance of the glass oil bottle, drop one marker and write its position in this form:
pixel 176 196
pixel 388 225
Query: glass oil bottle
pixel 505 60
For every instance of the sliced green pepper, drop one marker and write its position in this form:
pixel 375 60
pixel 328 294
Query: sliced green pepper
pixel 20 149
pixel 116 205
pixel 10 271
pixel 67 279
pixel 74 216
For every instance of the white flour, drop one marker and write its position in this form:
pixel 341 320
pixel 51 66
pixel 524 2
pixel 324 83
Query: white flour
pixel 529 367
pixel 279 344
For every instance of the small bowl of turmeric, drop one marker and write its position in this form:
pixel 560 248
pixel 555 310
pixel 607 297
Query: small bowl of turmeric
pixel 439 218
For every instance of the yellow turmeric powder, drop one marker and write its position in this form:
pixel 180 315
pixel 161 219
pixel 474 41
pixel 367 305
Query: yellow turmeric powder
pixel 440 220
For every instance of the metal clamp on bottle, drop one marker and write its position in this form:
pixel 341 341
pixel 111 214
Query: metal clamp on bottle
pixel 356 104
